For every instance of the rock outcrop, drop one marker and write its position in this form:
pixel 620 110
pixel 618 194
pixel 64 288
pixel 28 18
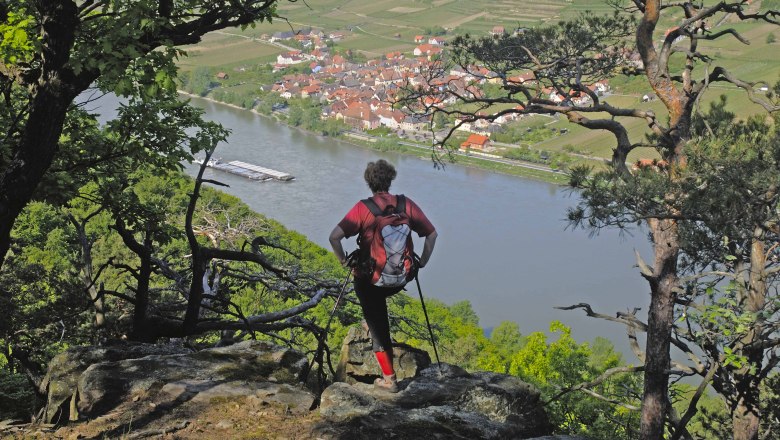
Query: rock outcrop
pixel 358 364
pixel 61 380
pixel 222 392
pixel 448 403
pixel 95 381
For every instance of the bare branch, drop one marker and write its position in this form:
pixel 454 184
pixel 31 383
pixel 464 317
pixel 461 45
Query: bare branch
pixel 630 322
pixel 597 381
pixel 721 74
pixel 609 400
pixel 691 411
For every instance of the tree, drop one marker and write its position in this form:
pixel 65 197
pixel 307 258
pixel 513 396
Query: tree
pixel 728 303
pixel 199 81
pixel 59 48
pixel 507 338
pixel 570 58
pixel 563 364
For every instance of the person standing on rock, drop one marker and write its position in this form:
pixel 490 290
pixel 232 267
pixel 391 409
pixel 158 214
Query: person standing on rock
pixel 385 259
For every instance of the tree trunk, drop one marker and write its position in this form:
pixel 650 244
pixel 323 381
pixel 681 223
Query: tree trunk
pixel 745 420
pixel 746 415
pixel 141 329
pixel 30 163
pixel 40 139
pixel 88 275
pixel 655 400
pixel 199 267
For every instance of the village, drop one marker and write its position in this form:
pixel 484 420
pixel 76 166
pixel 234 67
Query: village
pixel 364 94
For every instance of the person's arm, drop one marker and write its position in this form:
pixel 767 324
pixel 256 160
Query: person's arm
pixel 430 242
pixel 335 242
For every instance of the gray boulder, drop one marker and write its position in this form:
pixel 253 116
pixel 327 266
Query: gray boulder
pixel 448 403
pixel 251 369
pixel 60 382
pixel 358 364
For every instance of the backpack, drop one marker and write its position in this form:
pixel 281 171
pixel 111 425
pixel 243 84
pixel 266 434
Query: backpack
pixel 386 246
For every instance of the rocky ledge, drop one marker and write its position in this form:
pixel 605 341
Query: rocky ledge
pixel 151 390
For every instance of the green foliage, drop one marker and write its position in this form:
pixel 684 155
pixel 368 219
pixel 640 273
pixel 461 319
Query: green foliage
pixel 550 366
pixel 462 310
pixel 459 338
pixel 40 291
pixel 387 144
pixel 770 38
pixel 523 153
pixel 200 81
pixel 557 160
pixel 564 363
pixel 518 133
pixel 770 5
pixel 267 101
pixel 434 31
pixel 713 420
pixel 17 44
pixel 17 398
pixel 507 337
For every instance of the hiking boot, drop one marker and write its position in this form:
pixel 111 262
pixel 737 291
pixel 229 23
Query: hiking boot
pixel 387 383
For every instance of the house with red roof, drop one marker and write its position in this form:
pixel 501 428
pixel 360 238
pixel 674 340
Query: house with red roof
pixel 338 61
pixel 390 118
pixel 291 57
pixel 359 115
pixel 310 91
pixel 419 38
pixel 428 50
pixel 476 142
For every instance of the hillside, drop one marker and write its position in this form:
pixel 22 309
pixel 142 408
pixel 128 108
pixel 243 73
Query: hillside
pixel 371 30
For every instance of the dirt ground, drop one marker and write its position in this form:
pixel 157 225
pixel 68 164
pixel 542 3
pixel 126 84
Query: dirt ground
pixel 240 418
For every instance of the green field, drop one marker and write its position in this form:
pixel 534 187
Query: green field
pixel 225 50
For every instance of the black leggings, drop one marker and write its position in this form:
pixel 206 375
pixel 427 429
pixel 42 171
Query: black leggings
pixel 373 300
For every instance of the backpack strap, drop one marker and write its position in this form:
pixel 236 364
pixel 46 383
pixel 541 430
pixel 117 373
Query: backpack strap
pixel 374 208
pixel 401 204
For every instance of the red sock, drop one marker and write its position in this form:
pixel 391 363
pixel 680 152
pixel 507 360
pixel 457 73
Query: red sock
pixel 385 359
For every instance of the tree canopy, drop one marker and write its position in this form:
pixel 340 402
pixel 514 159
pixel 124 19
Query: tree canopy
pixel 52 51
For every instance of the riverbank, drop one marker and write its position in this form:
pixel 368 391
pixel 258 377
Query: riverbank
pixel 503 166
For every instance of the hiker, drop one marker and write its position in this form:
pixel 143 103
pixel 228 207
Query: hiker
pixel 385 261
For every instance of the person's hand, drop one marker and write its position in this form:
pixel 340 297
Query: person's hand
pixel 418 264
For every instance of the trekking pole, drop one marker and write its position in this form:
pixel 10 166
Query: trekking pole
pixel 427 321
pixel 338 301
pixel 333 312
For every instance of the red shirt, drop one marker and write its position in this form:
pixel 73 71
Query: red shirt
pixel 359 217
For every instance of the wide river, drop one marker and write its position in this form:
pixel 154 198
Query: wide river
pixel 503 243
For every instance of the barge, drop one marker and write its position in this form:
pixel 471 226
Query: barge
pixel 248 170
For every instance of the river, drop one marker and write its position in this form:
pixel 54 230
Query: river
pixel 503 243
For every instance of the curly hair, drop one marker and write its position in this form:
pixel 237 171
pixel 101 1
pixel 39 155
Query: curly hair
pixel 379 175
